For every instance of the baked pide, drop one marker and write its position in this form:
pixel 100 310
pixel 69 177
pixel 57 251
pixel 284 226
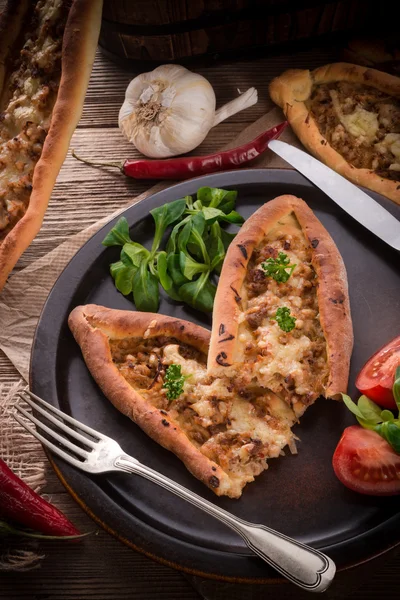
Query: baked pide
pixel 348 116
pixel 223 437
pixel 281 319
pixel 47 49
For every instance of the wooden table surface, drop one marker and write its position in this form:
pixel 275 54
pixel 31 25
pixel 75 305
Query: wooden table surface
pixel 100 567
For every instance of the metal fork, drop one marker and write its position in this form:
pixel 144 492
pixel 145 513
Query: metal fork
pixel 96 453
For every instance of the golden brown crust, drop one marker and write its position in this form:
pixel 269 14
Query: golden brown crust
pixel 333 300
pixel 79 46
pixel 291 90
pixel 92 326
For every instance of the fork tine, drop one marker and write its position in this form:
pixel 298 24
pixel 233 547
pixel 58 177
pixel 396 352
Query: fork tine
pixel 67 457
pixel 62 426
pixel 54 434
pixel 64 416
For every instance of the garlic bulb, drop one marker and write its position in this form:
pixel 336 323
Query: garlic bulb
pixel 170 110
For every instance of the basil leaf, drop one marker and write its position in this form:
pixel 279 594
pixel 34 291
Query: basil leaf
pixel 213 197
pixel 227 238
pixel 393 436
pixel 118 235
pixel 124 280
pixel 164 277
pixel 370 411
pixel 216 248
pixel 163 216
pixel 232 217
pixel 115 267
pixel 396 388
pixel 211 214
pixel 196 236
pixel 125 259
pixel 189 202
pixel 199 293
pixel 227 205
pixel 387 415
pixel 352 406
pixel 391 433
pixel 135 252
pixel 174 269
pixel 184 236
pixel 172 243
pixel 145 289
pixel 190 267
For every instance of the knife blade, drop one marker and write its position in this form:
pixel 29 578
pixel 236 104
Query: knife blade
pixel 348 196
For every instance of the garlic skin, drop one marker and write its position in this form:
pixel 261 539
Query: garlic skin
pixel 168 111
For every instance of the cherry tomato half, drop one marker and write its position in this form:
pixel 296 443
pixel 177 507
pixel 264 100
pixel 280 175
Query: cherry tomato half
pixel 364 462
pixel 375 379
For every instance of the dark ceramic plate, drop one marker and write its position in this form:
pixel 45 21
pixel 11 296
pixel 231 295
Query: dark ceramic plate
pixel 298 495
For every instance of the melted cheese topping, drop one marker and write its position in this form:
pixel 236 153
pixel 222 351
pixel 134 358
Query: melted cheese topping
pixel 291 364
pixel 237 433
pixel 391 144
pixel 27 109
pixel 285 358
pixel 360 123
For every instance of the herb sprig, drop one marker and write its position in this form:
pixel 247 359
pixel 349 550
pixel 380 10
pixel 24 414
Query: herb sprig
pixel 284 319
pixel 370 416
pixel 174 381
pixel 193 254
pixel 277 268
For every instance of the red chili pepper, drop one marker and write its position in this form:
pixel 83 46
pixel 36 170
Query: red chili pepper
pixel 19 503
pixel 192 166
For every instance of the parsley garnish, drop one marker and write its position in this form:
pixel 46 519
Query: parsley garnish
pixel 277 267
pixel 173 381
pixel 285 321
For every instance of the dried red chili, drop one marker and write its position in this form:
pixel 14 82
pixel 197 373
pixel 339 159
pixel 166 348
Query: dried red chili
pixel 193 166
pixel 20 504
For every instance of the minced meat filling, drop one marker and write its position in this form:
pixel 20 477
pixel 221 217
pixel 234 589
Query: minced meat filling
pixel 361 123
pixel 237 433
pixel 291 364
pixel 26 108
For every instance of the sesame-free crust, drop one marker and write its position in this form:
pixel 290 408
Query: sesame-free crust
pixel 225 354
pixel 293 88
pixel 92 327
pixel 78 51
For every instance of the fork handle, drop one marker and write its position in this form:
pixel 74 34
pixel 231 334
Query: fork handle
pixel 306 567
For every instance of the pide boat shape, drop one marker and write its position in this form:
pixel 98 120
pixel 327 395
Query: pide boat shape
pixel 348 116
pixel 47 49
pixel 225 421
pixel 281 320
pixel 223 439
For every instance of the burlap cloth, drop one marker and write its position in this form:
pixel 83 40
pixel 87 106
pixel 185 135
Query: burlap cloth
pixel 21 302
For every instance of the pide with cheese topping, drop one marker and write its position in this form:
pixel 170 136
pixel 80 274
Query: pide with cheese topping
pixel 224 437
pixel 292 334
pixel 348 116
pixel 281 337
pixel 47 50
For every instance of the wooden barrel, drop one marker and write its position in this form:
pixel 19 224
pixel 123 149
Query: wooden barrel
pixel 161 31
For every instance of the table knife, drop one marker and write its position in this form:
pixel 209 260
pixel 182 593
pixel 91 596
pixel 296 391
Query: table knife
pixel 348 196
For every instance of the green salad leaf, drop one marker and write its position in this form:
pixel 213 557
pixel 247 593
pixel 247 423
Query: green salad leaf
pixel 371 416
pixel 195 247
